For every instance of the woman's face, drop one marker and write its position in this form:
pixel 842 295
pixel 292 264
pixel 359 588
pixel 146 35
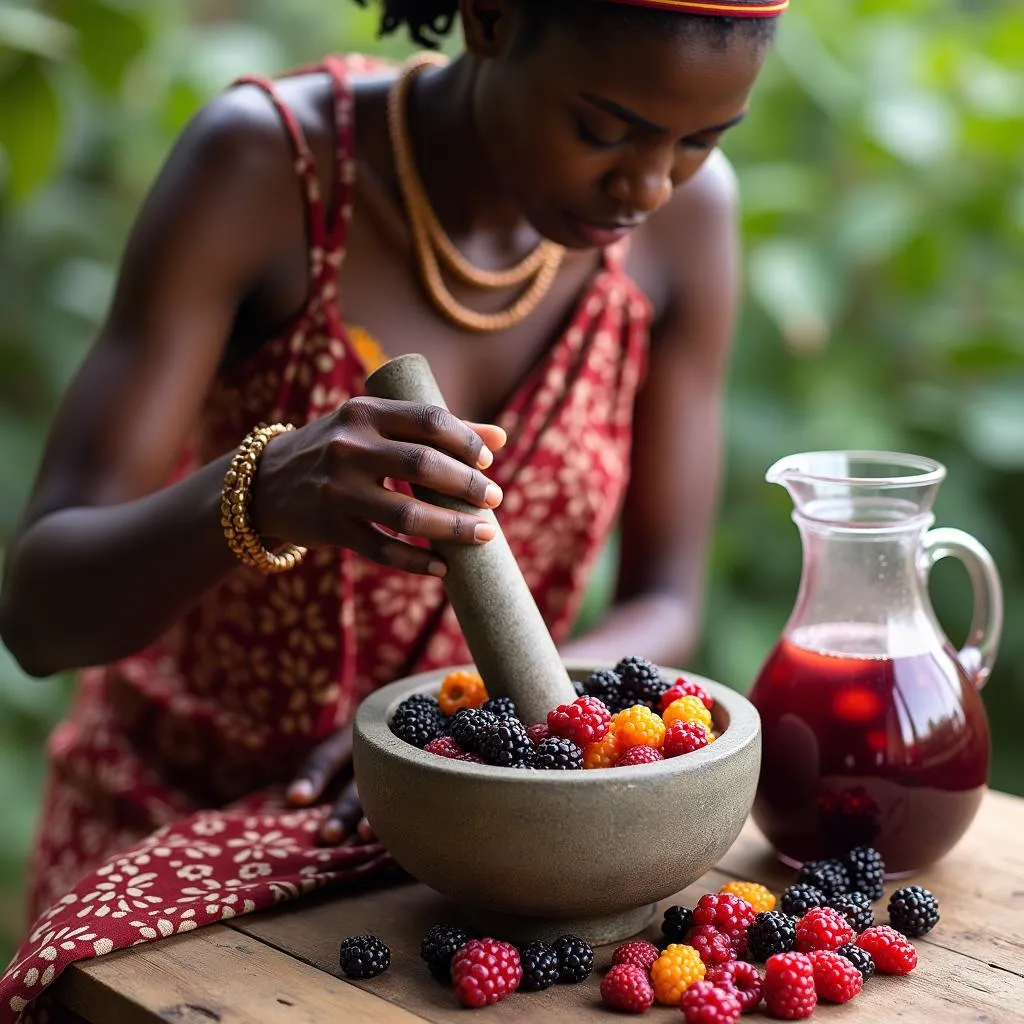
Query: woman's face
pixel 591 133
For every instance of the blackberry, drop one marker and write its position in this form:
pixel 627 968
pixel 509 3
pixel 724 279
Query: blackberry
pixel 503 707
pixel 418 722
pixel 438 947
pixel 606 686
pixel 364 956
pixel 856 908
pixel 827 875
pixel 578 687
pixel 772 932
pixel 866 870
pixel 913 910
pixel 557 754
pixel 468 727
pixel 540 967
pixel 677 922
pixel 799 898
pixel 860 958
pixel 575 959
pixel 641 681
pixel 505 744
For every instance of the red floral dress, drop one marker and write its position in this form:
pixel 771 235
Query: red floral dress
pixel 164 809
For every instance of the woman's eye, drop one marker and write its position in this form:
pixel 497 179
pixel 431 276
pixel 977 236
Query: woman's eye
pixel 593 139
pixel 699 144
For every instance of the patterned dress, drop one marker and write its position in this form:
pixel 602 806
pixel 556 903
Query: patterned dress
pixel 165 804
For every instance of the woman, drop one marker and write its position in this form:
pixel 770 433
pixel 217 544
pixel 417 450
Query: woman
pixel 548 220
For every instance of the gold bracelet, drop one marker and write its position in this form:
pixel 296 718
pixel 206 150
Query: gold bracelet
pixel 234 506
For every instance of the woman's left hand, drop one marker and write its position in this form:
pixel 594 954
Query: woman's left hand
pixel 332 760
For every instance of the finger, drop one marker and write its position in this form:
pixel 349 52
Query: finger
pixel 431 425
pixel 493 437
pixel 343 817
pixel 371 542
pixel 414 518
pixel 428 467
pixel 365 831
pixel 327 760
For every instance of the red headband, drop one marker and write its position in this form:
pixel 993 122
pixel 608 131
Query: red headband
pixel 714 8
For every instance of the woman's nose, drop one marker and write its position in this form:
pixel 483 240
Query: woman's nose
pixel 643 186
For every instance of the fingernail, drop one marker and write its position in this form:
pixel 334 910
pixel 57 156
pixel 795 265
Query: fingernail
pixel 483 533
pixel 493 495
pixel 486 457
pixel 332 831
pixel 437 569
pixel 301 791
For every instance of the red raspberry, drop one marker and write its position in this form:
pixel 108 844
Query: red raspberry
pixel 638 953
pixel 684 738
pixel 789 986
pixel 485 971
pixel 704 1003
pixel 822 928
pixel 639 755
pixel 892 952
pixel 445 746
pixel 742 978
pixel 714 946
pixel 727 913
pixel 627 987
pixel 836 980
pixel 686 688
pixel 538 733
pixel 584 721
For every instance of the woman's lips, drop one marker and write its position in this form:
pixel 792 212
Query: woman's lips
pixel 599 235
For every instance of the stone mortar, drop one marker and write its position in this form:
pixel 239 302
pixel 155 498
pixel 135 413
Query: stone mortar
pixel 530 854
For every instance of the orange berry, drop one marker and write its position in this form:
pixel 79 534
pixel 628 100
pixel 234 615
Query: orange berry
pixel 638 726
pixel 674 972
pixel 461 690
pixel 602 754
pixel 687 709
pixel 759 897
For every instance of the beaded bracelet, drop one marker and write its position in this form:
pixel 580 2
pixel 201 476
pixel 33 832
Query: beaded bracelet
pixel 234 506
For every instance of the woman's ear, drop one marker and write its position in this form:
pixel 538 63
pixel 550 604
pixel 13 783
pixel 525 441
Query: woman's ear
pixel 487 26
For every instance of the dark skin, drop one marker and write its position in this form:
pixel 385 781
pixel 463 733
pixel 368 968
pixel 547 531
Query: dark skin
pixel 519 144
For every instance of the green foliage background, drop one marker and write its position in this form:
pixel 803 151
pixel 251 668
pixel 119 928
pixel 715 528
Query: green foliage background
pixel 883 178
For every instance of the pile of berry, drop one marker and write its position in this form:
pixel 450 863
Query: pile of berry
pixel 627 716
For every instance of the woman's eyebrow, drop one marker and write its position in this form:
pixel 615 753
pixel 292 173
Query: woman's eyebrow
pixel 633 118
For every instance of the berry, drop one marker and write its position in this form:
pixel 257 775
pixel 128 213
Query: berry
pixel 860 958
pixel 445 746
pixel 684 738
pixel 789 986
pixel 713 946
pixel 639 755
pixel 892 951
pixel 540 967
pixel 627 988
pixel 641 681
pixel 364 956
pixel 727 913
pixel 742 978
pixel 461 690
pixel 485 971
pixel 538 732
pixel 772 932
pixel 674 972
pixel 638 726
pixel 602 755
pixel 506 744
pixel 704 1003
pixel 687 709
pixel 798 899
pixel 836 980
pixel 856 908
pixel 638 953
pixel 866 870
pixel 438 947
pixel 469 726
pixel 418 721
pixel 606 686
pixel 827 875
pixel 503 707
pixel 685 688
pixel 584 721
pixel 676 923
pixel 822 928
pixel 913 911
pixel 758 896
pixel 575 959
pixel 557 754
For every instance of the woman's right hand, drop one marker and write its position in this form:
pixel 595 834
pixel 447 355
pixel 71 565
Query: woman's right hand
pixel 324 484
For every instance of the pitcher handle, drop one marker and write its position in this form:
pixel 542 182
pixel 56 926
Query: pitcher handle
pixel 979 652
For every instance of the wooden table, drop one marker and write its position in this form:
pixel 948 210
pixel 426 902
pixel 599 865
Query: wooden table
pixel 280 967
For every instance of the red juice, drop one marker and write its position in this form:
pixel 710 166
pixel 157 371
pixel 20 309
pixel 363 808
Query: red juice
pixel 864 748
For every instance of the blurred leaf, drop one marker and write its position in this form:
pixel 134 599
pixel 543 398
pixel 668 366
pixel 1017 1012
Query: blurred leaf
pixel 110 37
pixel 22 28
pixel 30 124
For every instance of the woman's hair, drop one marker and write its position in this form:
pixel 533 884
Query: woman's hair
pixel 429 21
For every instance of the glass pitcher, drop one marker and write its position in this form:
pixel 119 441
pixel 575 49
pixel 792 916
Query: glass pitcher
pixel 874 729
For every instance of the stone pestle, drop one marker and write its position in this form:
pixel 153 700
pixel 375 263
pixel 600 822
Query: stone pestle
pixel 504 630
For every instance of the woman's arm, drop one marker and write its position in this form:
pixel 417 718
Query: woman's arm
pixel 669 510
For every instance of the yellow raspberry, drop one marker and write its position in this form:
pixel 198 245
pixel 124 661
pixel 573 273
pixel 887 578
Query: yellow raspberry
pixel 687 709
pixel 602 754
pixel 674 972
pixel 756 895
pixel 461 690
pixel 638 726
